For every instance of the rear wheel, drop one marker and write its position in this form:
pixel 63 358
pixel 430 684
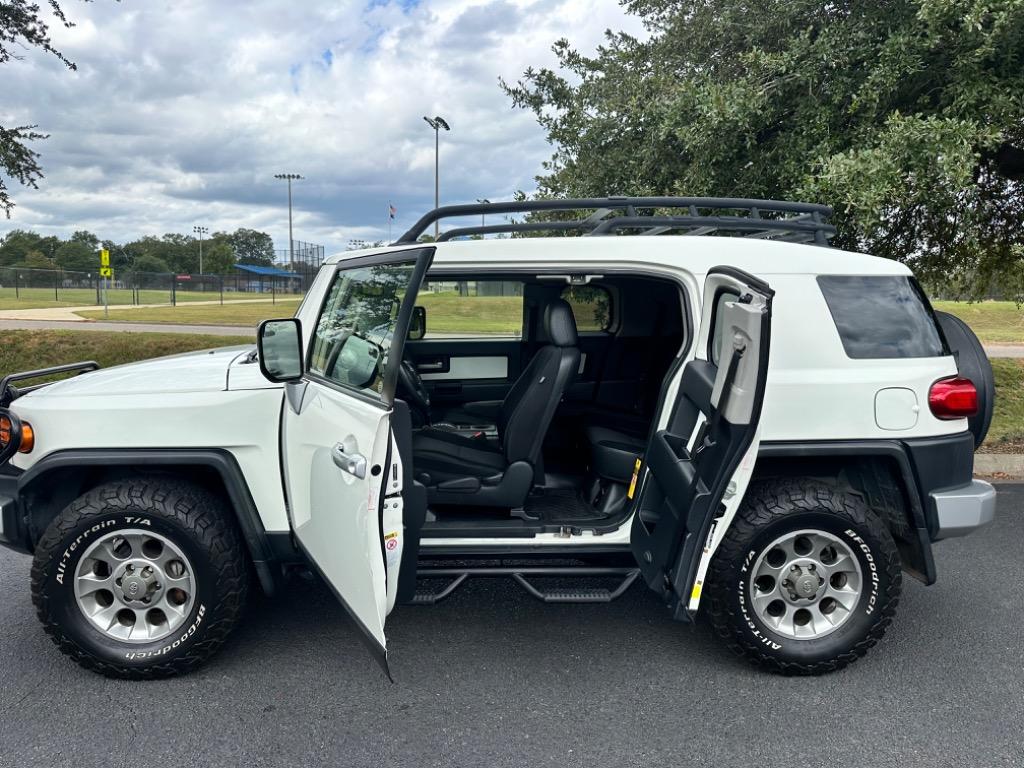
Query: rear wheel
pixel 806 580
pixel 141 578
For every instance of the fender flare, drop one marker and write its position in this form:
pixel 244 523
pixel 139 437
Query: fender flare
pixel 219 460
pixel 894 450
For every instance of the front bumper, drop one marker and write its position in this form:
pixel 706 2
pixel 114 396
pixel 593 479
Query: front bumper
pixel 12 521
pixel 960 511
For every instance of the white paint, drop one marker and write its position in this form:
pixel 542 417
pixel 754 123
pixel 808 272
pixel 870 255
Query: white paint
pixel 896 408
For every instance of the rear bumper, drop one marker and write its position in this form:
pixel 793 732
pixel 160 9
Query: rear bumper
pixel 963 510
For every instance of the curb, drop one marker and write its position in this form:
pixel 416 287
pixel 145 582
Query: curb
pixel 1007 466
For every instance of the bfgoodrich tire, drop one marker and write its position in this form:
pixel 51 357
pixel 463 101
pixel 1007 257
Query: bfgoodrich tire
pixel 140 579
pixel 806 580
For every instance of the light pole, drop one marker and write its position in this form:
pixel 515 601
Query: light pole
pixel 437 123
pixel 483 219
pixel 201 231
pixel 289 177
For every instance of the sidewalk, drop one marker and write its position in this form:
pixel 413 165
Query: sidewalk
pixel 81 324
pixel 67 314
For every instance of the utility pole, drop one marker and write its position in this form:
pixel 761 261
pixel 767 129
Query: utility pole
pixel 290 177
pixel 437 123
pixel 201 231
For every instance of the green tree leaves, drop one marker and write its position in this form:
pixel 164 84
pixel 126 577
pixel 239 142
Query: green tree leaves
pixel 907 116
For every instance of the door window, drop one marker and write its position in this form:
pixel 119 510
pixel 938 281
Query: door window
pixel 353 336
pixel 472 308
pixel 591 306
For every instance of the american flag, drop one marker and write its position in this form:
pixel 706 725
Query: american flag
pixel 391 211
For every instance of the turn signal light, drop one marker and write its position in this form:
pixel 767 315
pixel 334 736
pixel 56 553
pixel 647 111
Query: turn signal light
pixel 28 438
pixel 953 398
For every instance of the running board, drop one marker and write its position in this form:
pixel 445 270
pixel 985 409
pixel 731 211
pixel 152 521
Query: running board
pixel 458 576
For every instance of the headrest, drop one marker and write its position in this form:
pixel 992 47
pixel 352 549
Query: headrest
pixel 560 324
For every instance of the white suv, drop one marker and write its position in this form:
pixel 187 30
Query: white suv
pixel 762 428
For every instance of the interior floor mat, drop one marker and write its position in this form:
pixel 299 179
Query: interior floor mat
pixel 560 505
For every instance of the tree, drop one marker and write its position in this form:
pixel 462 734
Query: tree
pixel 36 260
pixel 16 245
pixel 147 263
pixel 76 256
pixel 218 258
pixel 22 27
pixel 904 115
pixel 252 247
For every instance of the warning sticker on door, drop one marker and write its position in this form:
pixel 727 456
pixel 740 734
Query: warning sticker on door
pixel 393 548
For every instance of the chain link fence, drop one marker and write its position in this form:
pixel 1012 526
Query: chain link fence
pixel 39 287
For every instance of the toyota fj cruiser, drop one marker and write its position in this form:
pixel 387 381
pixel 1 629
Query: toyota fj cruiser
pixel 762 428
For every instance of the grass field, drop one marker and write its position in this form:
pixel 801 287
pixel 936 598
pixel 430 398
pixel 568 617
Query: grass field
pixel 36 298
pixel 27 350
pixel 1007 431
pixel 445 314
pixel 992 321
pixel 242 315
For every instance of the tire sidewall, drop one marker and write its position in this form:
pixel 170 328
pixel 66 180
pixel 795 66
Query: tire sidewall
pixel 870 554
pixel 61 605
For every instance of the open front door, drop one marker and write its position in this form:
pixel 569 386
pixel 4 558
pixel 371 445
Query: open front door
pixel 698 468
pixel 341 461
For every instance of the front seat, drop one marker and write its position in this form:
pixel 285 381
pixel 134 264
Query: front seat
pixel 475 471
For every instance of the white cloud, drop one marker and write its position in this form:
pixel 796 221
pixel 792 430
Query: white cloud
pixel 181 111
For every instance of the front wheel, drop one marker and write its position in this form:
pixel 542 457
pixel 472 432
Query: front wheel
pixel 141 578
pixel 806 580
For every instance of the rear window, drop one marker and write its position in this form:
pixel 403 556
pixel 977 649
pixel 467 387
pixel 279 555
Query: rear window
pixel 881 317
pixel 591 306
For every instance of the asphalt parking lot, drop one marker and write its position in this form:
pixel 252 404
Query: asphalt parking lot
pixel 493 678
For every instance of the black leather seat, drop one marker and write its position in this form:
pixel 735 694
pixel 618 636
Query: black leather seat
pixel 476 471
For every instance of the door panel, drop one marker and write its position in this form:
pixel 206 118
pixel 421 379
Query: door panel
pixel 459 371
pixel 342 466
pixel 698 468
pixel 335 512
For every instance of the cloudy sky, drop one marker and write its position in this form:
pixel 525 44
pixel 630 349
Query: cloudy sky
pixel 182 111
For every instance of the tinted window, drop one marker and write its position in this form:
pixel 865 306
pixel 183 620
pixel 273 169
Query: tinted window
pixel 881 317
pixel 353 336
pixel 591 306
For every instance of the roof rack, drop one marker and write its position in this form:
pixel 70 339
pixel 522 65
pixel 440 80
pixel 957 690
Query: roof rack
pixel 788 221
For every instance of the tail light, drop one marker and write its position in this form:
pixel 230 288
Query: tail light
pixel 953 398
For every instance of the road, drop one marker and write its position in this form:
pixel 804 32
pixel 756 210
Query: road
pixel 492 678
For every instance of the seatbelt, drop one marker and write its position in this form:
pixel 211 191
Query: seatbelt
pixel 710 427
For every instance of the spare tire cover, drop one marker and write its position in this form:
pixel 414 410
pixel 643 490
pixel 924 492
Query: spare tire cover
pixel 973 364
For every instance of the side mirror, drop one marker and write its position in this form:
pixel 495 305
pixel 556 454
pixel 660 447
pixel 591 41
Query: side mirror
pixel 418 323
pixel 279 343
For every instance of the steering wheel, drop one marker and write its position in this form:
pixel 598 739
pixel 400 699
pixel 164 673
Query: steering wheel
pixel 410 383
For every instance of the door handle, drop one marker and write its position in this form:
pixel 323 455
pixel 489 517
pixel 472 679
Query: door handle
pixel 353 463
pixel 437 365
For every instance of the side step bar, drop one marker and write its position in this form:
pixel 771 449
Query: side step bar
pixel 457 577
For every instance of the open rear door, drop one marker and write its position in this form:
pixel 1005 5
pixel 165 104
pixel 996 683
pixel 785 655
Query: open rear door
pixel 698 468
